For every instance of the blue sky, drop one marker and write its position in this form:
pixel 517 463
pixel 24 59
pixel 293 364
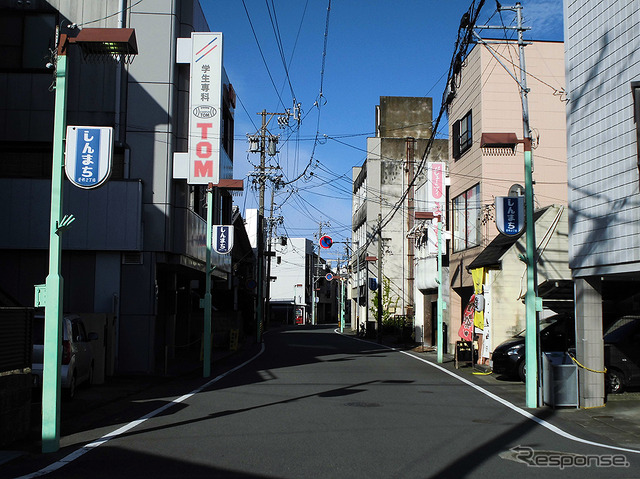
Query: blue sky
pixel 374 48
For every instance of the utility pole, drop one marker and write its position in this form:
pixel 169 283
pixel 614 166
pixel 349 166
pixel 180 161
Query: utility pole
pixel 314 296
pixel 532 302
pixel 410 307
pixel 260 143
pixel 271 220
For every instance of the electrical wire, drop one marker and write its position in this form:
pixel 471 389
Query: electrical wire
pixel 255 36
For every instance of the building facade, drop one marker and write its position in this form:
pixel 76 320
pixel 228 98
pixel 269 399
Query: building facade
pixel 602 50
pixel 486 161
pixel 290 290
pixel 395 163
pixel 136 249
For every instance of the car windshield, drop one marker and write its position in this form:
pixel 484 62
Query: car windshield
pixel 622 328
pixel 544 324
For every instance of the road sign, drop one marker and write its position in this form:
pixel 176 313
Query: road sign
pixel 325 242
pixel 328 277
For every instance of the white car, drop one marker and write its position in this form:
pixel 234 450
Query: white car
pixel 77 354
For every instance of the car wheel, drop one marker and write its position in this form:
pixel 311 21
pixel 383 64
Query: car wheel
pixel 614 381
pixel 522 370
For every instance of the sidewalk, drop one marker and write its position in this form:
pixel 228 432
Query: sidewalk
pixel 617 423
pixel 101 404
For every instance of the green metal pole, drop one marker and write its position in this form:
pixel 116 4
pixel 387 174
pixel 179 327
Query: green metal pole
pixel 206 369
pixel 379 318
pixel 54 282
pixel 531 343
pixel 439 334
pixel 342 293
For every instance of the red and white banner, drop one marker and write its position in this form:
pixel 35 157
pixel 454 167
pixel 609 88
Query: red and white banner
pixel 205 108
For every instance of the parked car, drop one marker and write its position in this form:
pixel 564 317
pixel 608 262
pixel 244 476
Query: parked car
pixel 622 354
pixel 77 354
pixel 557 333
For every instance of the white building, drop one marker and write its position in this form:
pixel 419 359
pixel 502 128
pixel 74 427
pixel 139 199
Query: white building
pixel 602 51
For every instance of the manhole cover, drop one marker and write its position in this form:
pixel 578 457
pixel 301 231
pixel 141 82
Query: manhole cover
pixel 363 404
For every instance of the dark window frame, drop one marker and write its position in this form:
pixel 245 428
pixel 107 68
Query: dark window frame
pixel 470 212
pixel 462 135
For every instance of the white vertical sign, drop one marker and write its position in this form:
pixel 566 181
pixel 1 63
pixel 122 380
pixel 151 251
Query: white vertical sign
pixel 205 108
pixel 435 202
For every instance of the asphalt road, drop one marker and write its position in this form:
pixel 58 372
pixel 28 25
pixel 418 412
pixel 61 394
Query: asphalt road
pixel 316 404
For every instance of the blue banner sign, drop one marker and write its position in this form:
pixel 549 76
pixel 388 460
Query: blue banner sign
pixel 88 155
pixel 223 239
pixel 510 214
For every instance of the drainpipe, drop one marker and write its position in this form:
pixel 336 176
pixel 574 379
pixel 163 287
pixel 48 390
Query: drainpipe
pixel 118 112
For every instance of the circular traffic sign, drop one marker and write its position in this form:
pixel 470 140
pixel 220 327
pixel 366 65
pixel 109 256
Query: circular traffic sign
pixel 325 242
pixel 329 277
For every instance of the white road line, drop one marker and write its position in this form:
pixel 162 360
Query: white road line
pixel 118 432
pixel 504 402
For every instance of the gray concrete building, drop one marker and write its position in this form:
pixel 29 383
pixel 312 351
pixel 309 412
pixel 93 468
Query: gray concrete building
pixel 602 51
pixel 136 249
pixel 384 187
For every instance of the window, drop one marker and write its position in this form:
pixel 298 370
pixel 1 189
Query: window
pixel 25 41
pixel 462 136
pixel 466 219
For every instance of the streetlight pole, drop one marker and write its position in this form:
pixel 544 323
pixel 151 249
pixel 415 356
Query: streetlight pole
pixel 118 44
pixel 440 304
pixel 531 297
pixel 379 319
pixel 439 334
pixel 54 282
pixel 206 341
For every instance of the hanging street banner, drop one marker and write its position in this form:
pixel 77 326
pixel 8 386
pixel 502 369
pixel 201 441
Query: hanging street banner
pixel 205 108
pixel 510 214
pixel 223 239
pixel 435 196
pixel 88 155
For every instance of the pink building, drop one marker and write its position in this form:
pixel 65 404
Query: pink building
pixel 485 121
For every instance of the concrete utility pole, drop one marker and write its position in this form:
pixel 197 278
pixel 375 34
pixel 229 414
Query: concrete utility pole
pixel 532 302
pixel 409 309
pixel 259 143
pixel 270 254
pixel 314 277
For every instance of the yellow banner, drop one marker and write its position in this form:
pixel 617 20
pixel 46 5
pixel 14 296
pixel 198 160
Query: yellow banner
pixel 478 279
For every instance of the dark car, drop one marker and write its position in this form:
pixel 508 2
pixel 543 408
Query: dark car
pixel 557 333
pixel 622 354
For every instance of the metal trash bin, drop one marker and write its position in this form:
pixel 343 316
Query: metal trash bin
pixel 559 379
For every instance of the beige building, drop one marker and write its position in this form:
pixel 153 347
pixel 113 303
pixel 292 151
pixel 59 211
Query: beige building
pixel 394 165
pixel 485 122
pixel 505 274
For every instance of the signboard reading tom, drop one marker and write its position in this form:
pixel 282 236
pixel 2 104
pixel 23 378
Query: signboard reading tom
pixel 205 112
